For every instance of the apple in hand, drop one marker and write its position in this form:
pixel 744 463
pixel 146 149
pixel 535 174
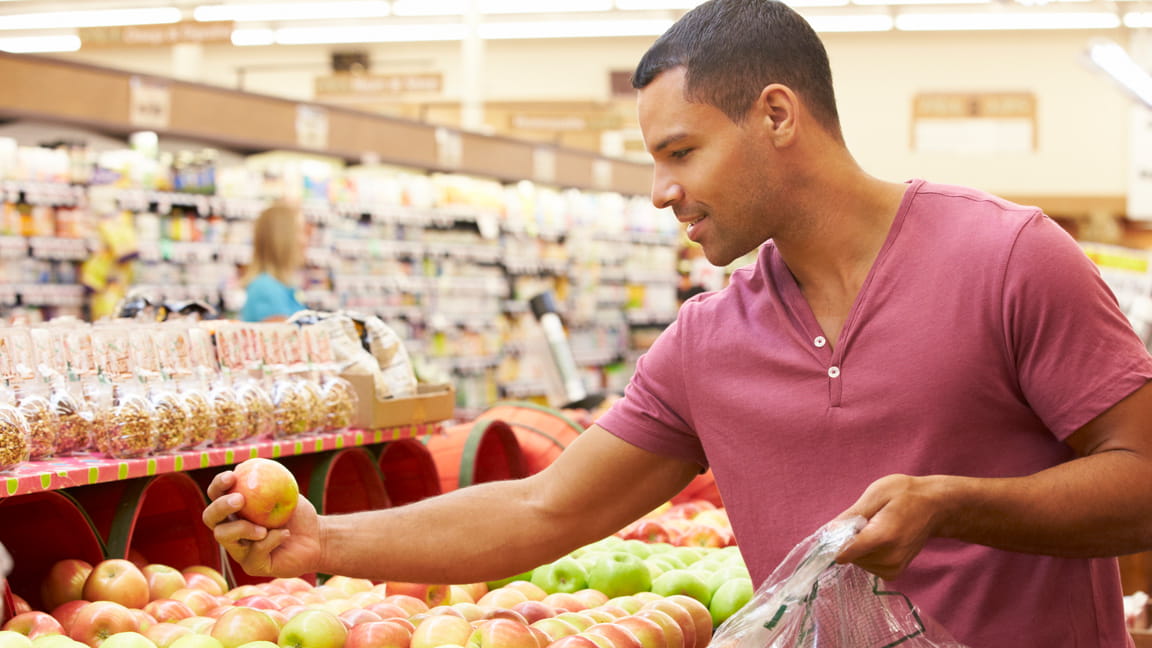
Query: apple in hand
pixel 119 581
pixel 269 489
pixel 99 620
pixel 162 580
pixel 64 582
pixel 313 629
pixel 239 625
pixel 34 623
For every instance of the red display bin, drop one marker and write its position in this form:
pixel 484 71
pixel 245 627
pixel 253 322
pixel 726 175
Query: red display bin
pixel 39 529
pixel 409 471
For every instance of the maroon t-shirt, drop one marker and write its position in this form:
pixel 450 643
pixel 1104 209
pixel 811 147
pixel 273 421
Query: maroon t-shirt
pixel 982 337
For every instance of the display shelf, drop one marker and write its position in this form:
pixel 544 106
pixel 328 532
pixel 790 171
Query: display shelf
pixel 87 469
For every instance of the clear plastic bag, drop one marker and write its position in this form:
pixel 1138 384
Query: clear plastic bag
pixel 809 601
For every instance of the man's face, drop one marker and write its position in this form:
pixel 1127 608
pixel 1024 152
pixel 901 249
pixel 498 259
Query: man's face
pixel 709 170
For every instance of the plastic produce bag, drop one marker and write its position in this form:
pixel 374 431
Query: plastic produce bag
pixel 809 601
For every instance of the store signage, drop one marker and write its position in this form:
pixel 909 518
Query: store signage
pixel 378 84
pixel 974 122
pixel 311 127
pixel 156 35
pixel 149 103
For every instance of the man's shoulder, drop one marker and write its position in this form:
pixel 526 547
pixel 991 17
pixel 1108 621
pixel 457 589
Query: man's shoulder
pixel 959 198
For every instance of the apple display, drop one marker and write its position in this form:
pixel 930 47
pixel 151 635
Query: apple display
pixel 577 619
pixel 127 640
pixel 378 634
pixel 116 580
pixel 64 582
pixel 34 623
pixel 99 620
pixel 270 492
pixel 313 629
pixel 239 625
pixel 391 610
pixel 258 601
pixel 502 633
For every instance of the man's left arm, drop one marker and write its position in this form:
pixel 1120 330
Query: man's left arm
pixel 1098 504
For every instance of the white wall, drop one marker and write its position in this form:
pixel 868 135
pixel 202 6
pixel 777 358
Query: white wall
pixel 1082 119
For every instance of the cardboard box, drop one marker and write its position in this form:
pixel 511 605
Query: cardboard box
pixel 432 403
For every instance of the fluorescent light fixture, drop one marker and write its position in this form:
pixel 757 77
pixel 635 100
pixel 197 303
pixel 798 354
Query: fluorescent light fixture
pixel 245 37
pixel 31 44
pixel 461 7
pixel 573 29
pixel 1138 19
pixel 97 18
pixel 861 23
pixel 292 11
pixel 1018 20
pixel 370 34
pixel 1114 61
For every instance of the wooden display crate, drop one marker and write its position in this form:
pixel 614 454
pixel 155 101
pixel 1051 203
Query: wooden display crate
pixel 432 403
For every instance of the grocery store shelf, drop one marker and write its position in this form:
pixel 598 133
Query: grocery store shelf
pixel 83 470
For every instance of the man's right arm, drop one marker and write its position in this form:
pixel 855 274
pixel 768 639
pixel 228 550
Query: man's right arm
pixel 483 532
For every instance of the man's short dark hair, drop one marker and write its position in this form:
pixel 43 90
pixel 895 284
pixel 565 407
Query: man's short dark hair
pixel 732 49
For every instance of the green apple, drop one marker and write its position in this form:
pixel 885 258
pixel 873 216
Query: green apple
pixel 127 640
pixel 730 597
pixel 708 564
pixel 654 569
pixel 565 574
pixel 196 640
pixel 637 547
pixel 687 555
pixel 667 561
pixel 725 574
pixel 660 547
pixel 683 581
pixel 620 573
pixel 13 639
pixel 313 629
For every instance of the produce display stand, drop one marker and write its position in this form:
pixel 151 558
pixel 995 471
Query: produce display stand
pixel 93 507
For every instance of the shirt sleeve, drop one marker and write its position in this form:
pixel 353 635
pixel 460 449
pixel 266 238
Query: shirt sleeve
pixel 653 414
pixel 1075 352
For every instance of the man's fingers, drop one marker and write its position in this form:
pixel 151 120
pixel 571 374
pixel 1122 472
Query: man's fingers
pixel 230 533
pixel 221 509
pixel 221 484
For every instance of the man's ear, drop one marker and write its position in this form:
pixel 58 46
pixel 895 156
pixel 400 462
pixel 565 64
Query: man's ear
pixel 777 109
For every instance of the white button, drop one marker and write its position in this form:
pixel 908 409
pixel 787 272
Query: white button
pixel 820 341
pixel 833 372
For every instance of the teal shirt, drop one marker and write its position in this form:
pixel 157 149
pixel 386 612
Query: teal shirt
pixel 268 297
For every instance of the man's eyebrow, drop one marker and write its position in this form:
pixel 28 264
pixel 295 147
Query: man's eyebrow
pixel 669 141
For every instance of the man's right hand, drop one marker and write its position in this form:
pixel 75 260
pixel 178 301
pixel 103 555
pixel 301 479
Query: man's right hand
pixel 291 550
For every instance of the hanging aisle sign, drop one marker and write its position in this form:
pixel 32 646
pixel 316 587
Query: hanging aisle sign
pixel 219 31
pixel 149 103
pixel 311 127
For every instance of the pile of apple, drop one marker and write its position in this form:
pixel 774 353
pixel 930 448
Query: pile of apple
pixel 695 523
pixel 116 604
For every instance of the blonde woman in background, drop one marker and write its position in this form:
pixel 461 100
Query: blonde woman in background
pixel 279 239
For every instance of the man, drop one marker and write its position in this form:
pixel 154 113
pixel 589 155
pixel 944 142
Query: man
pixel 946 364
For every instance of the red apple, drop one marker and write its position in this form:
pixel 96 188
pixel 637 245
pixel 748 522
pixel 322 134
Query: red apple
pixel 284 600
pixel 378 634
pixel 503 613
pixel 620 636
pixel 269 489
pixel 241 591
pixel 204 582
pixel 210 573
pixel 411 604
pixel 533 611
pixel 591 598
pixel 197 600
pixel 279 617
pixel 163 634
pixel 259 602
pixel 564 600
pixel 531 591
pixel 439 629
pixel 673 633
pixel 650 633
pixel 119 581
pixel 64 582
pixel 162 580
pixel 502 633
pixel 66 612
pixel 165 609
pixel 555 628
pixel 502 597
pixel 580 641
pixel 99 620
pixel 682 617
pixel 240 625
pixel 355 616
pixel 700 616
pixel 143 619
pixel 33 624
pixel 198 624
pixel 291 585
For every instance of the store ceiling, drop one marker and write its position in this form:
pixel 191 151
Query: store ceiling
pixel 288 22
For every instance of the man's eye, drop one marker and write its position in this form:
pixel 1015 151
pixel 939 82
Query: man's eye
pixel 681 153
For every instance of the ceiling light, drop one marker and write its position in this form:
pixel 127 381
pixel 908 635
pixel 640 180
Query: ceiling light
pixel 100 18
pixel 292 11
pixel 31 44
pixel 573 29
pixel 1114 61
pixel 862 23
pixel 1022 20
pixel 1138 19
pixel 370 34
pixel 245 37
